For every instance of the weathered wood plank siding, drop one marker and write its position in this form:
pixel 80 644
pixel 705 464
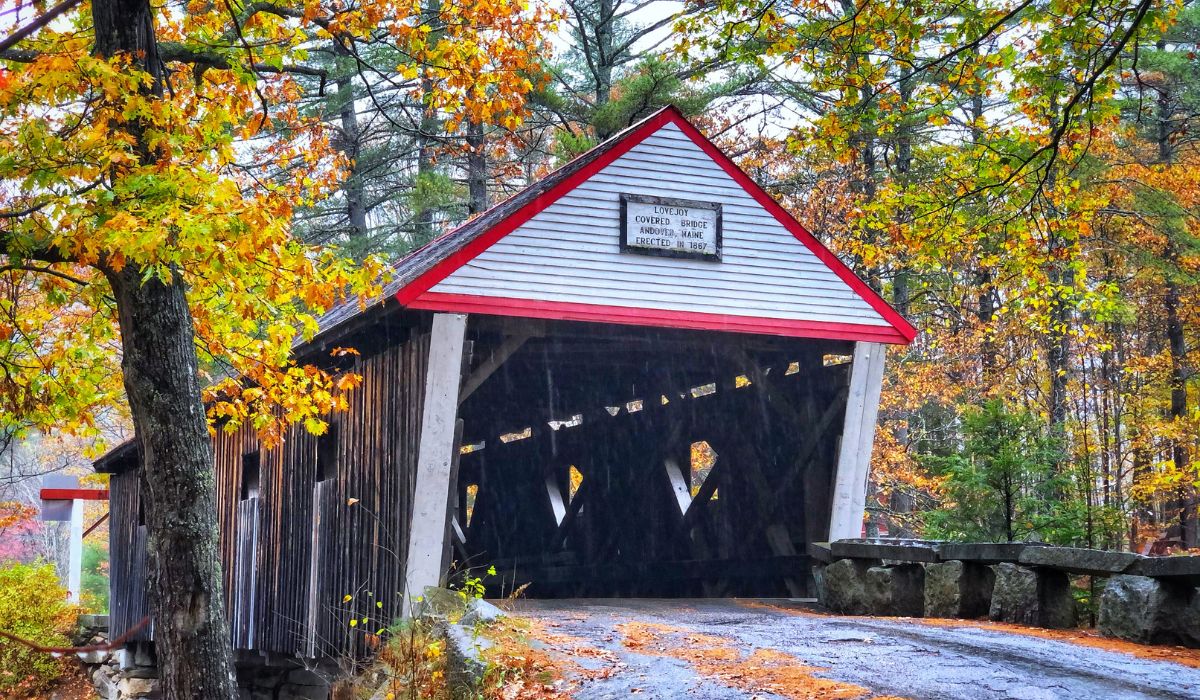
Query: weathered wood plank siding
pixel 127 556
pixel 348 493
pixel 245 590
pixel 570 251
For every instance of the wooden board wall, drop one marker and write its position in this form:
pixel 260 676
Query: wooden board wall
pixel 127 557
pixel 266 542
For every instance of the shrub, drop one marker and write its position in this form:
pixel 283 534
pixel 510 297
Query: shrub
pixel 1001 486
pixel 33 606
pixel 95 577
pixel 1011 481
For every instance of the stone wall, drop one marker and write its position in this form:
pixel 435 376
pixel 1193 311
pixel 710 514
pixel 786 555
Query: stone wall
pixel 132 673
pixel 122 674
pixel 1151 600
pixel 262 682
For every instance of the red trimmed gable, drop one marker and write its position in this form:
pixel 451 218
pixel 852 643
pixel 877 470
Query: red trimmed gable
pixel 564 261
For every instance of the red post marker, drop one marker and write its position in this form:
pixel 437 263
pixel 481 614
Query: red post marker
pixel 62 500
pixel 72 494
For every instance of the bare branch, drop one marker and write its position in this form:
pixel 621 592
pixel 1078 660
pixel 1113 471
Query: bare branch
pixel 44 270
pixel 45 18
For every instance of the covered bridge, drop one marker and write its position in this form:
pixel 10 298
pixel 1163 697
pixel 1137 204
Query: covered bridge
pixel 638 377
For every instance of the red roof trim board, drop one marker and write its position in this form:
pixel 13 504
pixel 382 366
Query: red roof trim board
pixel 902 326
pixel 416 293
pixel 73 494
pixel 567 311
pixel 452 262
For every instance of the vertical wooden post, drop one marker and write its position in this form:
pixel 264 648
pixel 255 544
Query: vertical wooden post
pixel 435 453
pixel 858 435
pixel 322 494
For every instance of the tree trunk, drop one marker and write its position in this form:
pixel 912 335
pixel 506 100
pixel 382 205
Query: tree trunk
pixel 983 275
pixel 186 597
pixel 901 295
pixel 127 26
pixel 351 147
pixel 476 169
pixel 1179 409
pixel 1176 343
pixel 426 136
pixel 160 372
pixel 1058 341
pixel 604 58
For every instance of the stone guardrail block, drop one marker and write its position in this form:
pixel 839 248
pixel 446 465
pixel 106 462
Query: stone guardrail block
pixel 984 552
pixel 1076 560
pixel 1038 597
pixel 1182 569
pixel 896 590
pixel 901 550
pixel 866 587
pixel 958 589
pixel 820 551
pixel 1147 611
pixel 841 587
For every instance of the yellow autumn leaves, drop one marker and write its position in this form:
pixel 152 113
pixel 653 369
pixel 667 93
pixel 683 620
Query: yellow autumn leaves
pixel 201 200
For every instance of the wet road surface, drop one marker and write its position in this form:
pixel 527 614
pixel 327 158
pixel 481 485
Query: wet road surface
pixel 888 657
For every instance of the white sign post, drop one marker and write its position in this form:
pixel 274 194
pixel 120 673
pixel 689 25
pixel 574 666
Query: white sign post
pixel 75 558
pixel 62 500
pixel 674 228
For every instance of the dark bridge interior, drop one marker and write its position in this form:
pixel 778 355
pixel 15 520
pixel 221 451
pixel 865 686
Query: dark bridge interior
pixel 626 461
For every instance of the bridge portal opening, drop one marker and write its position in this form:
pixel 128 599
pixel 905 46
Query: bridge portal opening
pixel 601 460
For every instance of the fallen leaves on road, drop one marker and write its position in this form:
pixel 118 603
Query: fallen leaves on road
pixel 568 651
pixel 764 670
pixel 1083 637
pixel 517 670
pixel 1088 638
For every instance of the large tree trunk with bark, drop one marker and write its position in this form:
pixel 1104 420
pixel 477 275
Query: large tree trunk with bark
pixel 426 141
pixel 1179 408
pixel 161 380
pixel 605 57
pixel 984 282
pixel 186 598
pixel 350 144
pixel 1058 341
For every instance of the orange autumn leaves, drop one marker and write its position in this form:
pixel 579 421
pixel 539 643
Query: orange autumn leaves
pixel 762 670
pixel 230 156
pixel 1082 637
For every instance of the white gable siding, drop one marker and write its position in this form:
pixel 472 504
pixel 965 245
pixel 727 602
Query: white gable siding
pixel 570 251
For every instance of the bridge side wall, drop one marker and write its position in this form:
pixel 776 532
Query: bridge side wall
pixel 308 523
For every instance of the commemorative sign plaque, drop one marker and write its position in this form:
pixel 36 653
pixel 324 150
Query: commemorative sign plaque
pixel 675 228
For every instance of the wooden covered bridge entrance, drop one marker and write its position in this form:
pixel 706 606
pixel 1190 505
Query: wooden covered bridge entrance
pixel 616 461
pixel 638 377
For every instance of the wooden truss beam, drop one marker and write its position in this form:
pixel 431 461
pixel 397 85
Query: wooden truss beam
pixel 499 356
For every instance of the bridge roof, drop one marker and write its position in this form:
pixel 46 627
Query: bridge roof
pixel 556 250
